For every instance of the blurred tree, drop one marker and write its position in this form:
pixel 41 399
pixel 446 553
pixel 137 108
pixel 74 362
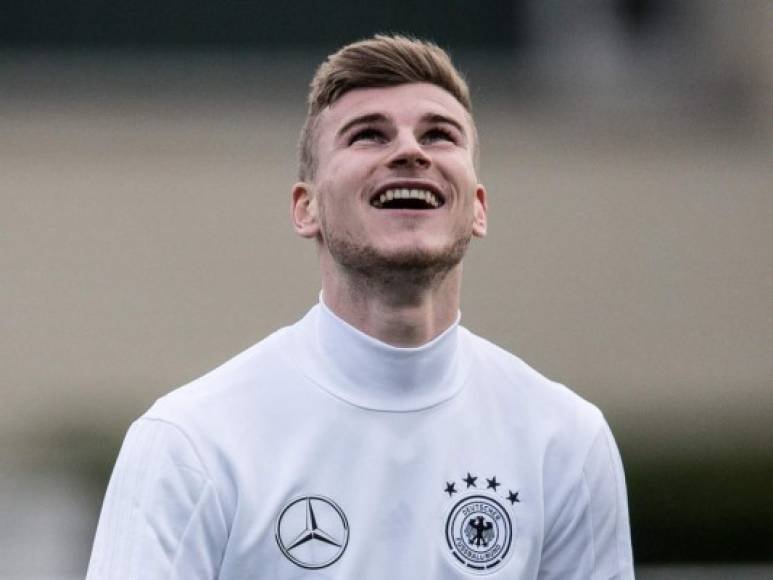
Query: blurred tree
pixel 267 25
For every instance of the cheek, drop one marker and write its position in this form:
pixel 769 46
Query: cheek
pixel 343 183
pixel 459 168
pixel 335 205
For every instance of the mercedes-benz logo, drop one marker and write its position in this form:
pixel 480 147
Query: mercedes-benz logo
pixel 312 531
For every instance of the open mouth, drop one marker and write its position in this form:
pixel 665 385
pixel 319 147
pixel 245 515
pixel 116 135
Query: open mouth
pixel 407 199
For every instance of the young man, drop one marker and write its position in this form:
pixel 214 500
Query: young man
pixel 376 438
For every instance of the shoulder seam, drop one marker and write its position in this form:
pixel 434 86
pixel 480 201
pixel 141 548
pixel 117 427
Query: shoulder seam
pixel 185 436
pixel 580 476
pixel 204 471
pixel 586 489
pixel 602 433
pixel 616 475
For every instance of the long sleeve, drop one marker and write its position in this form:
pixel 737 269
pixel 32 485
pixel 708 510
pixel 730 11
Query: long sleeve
pixel 590 537
pixel 161 518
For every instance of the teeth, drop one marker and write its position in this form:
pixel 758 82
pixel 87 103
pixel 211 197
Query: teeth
pixel 404 193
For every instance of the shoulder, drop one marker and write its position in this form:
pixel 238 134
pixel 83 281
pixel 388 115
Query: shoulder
pixel 234 384
pixel 518 380
pixel 552 412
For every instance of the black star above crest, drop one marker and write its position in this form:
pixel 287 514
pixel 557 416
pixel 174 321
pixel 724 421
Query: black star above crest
pixel 450 489
pixel 492 483
pixel 470 480
pixel 513 497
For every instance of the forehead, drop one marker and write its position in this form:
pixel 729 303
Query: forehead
pixel 402 104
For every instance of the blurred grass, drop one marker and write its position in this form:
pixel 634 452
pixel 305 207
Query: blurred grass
pixel 701 509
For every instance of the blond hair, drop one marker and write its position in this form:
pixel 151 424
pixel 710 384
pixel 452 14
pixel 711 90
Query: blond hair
pixel 381 61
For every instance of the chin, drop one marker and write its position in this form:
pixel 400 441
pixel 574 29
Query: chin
pixel 380 262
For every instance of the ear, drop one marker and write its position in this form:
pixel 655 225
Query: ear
pixel 304 210
pixel 480 208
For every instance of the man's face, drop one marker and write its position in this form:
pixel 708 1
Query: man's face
pixel 395 185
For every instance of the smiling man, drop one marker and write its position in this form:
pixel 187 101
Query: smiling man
pixel 376 438
pixel 392 198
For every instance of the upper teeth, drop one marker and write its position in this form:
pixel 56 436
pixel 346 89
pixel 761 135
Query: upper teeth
pixel 423 194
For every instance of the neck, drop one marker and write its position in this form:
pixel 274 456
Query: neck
pixel 398 312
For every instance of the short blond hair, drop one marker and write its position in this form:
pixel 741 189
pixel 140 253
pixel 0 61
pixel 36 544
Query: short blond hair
pixel 381 61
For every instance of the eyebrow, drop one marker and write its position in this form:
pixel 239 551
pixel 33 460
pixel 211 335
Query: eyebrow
pixel 436 118
pixel 379 117
pixel 361 120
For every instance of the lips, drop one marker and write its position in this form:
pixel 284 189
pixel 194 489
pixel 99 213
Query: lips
pixel 407 196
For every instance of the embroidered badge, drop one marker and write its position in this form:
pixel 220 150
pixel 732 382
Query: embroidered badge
pixel 479 528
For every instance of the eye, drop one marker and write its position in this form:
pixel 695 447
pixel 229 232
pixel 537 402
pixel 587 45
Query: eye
pixel 367 134
pixel 439 133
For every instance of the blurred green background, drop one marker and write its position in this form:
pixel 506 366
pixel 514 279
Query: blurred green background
pixel 147 151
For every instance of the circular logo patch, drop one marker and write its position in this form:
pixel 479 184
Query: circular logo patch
pixel 479 533
pixel 312 531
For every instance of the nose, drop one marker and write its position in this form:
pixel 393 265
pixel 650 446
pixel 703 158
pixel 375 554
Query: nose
pixel 409 153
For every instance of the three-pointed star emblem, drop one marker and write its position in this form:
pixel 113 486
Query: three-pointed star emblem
pixel 312 531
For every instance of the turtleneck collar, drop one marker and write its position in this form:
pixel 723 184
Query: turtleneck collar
pixel 369 373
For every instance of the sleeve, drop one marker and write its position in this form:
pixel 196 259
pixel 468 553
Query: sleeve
pixel 161 517
pixel 590 538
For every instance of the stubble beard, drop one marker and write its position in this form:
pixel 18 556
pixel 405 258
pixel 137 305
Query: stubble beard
pixel 410 269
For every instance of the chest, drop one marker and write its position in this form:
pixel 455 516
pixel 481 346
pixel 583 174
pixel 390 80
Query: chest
pixel 374 496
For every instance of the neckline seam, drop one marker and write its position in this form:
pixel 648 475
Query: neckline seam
pixel 376 409
pixel 356 393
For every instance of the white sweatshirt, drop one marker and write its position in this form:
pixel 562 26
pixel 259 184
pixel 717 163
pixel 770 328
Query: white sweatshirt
pixel 321 452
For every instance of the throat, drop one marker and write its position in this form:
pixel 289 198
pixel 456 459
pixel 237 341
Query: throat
pixel 396 310
pixel 405 325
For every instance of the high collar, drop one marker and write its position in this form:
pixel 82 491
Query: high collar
pixel 369 373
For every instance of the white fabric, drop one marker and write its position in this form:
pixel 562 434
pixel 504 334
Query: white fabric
pixel 320 409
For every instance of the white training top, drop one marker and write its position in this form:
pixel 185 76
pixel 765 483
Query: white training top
pixel 323 453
